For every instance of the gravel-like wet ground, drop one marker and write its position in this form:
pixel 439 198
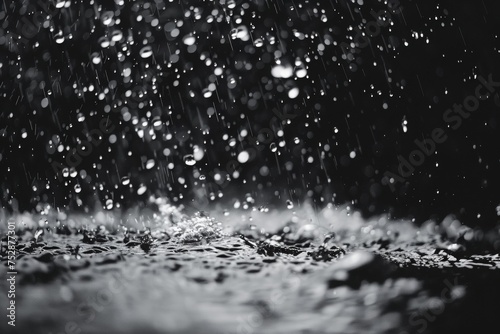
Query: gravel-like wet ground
pixel 260 271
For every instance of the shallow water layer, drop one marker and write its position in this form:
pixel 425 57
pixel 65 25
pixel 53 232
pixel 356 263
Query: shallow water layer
pixel 254 271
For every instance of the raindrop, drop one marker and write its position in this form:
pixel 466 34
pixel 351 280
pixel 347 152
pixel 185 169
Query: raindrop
pixel 189 40
pixel 157 122
pixel 289 204
pixel 206 93
pixel 300 72
pixel 125 180
pixel 78 188
pixel 150 164
pixel 231 82
pixel 109 204
pixel 142 189
pixel 189 160
pixel 96 59
pixel 146 52
pixel 103 41
pixel 404 124
pixel 281 71
pixel 293 93
pixel 107 18
pixel 240 32
pixel 60 3
pixel 273 147
pixel 59 37
pixel 116 36
pixel 65 172
pixel 198 153
pixel 243 157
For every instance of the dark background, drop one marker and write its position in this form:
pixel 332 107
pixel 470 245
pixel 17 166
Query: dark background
pixel 340 104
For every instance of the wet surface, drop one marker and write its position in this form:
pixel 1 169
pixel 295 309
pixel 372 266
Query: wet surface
pixel 105 103
pixel 267 272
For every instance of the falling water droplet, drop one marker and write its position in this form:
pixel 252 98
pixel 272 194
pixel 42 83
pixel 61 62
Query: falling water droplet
pixel 293 93
pixel 60 3
pixel 117 35
pixel 189 40
pixel 109 204
pixel 281 71
pixel 243 157
pixel 107 18
pixel 125 180
pixel 150 164
pixel 59 37
pixel 146 52
pixel 157 122
pixel 189 160
pixel 142 189
pixel 96 58
pixel 404 124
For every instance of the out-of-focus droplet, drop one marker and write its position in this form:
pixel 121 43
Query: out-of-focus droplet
pixel 60 3
pixel 142 189
pixel 280 71
pixel 243 157
pixel 150 164
pixel 189 40
pixel 107 18
pixel 293 93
